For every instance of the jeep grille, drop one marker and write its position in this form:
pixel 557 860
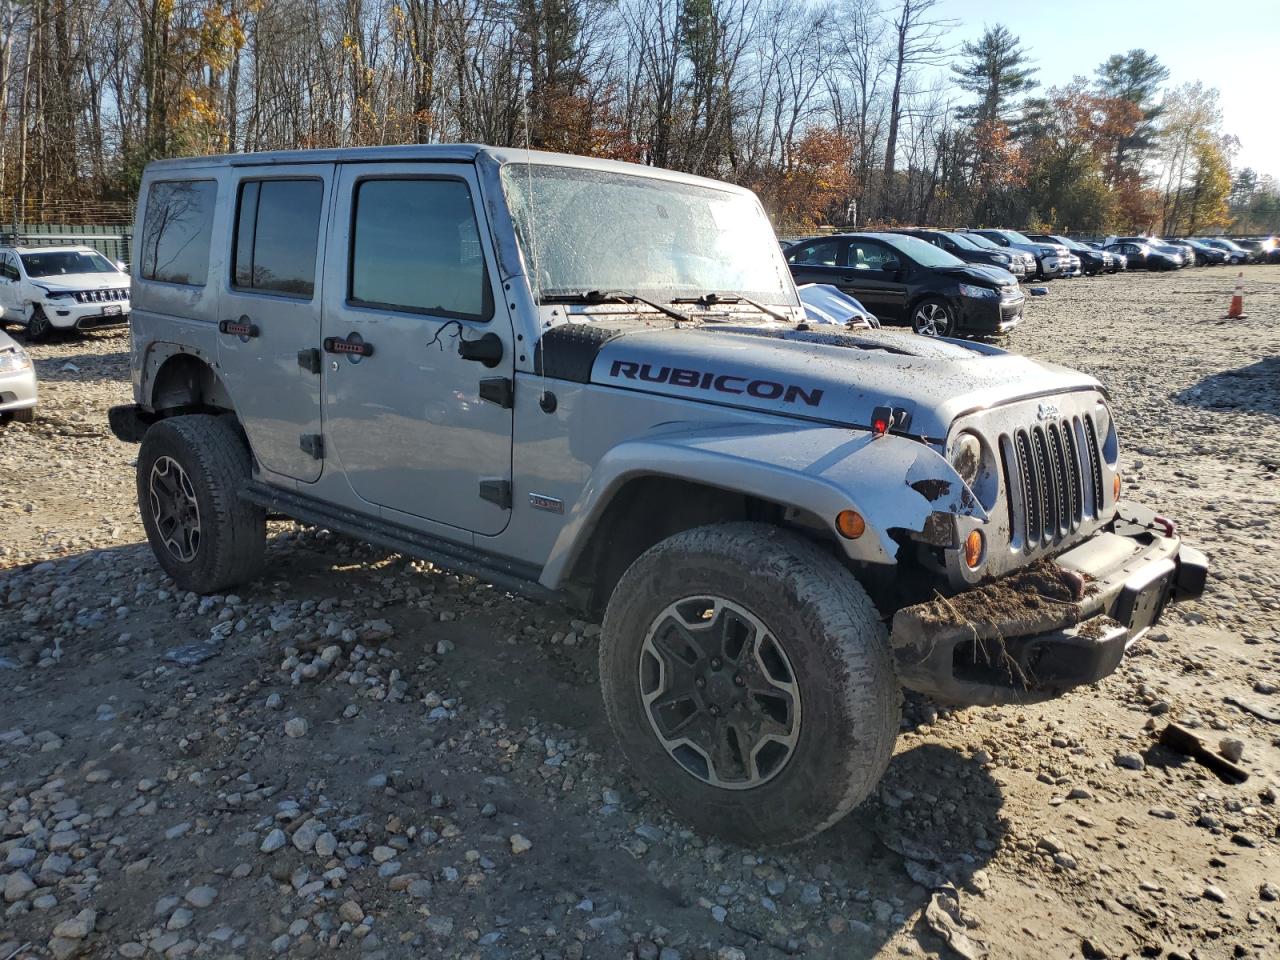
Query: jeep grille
pixel 100 296
pixel 1053 476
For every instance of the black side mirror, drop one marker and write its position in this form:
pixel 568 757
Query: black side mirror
pixel 486 349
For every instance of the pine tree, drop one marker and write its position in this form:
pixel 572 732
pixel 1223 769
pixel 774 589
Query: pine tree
pixel 996 69
pixel 1135 76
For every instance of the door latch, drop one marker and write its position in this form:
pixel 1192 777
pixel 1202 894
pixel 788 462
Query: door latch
pixel 499 390
pixel 309 360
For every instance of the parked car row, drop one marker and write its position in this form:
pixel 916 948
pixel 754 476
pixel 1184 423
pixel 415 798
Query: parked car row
pixel 1170 253
pixel 1257 249
pixel 966 282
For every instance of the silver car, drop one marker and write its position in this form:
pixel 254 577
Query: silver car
pixel 17 382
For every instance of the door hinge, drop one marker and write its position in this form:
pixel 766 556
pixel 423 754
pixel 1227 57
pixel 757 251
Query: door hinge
pixel 496 491
pixel 309 360
pixel 313 444
pixel 499 390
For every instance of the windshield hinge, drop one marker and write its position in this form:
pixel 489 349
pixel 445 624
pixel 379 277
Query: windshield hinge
pixel 309 360
pixel 496 491
pixel 312 444
pixel 499 390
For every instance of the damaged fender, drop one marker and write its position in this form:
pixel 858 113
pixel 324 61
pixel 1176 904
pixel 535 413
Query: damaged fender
pixel 828 469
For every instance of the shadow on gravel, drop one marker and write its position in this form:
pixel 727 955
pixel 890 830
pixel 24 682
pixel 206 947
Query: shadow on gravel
pixel 919 844
pixel 83 367
pixel 1254 389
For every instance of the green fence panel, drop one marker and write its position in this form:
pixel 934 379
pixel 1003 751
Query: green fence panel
pixel 113 242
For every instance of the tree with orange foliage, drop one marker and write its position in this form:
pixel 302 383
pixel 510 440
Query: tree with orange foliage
pixel 812 181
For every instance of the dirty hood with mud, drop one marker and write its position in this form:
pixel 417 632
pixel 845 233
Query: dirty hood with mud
pixel 828 374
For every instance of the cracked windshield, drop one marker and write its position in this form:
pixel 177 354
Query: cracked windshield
pixel 583 230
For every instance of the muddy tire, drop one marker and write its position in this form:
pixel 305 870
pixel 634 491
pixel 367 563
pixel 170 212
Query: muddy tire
pixel 38 325
pixel 749 680
pixel 190 470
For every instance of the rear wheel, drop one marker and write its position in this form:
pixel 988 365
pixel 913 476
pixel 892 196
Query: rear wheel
pixel 25 415
pixel 933 318
pixel 190 472
pixel 748 677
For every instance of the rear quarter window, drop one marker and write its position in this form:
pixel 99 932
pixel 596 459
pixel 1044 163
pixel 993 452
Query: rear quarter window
pixel 176 230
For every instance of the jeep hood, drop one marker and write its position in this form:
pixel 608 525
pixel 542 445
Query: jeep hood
pixel 82 281
pixel 831 375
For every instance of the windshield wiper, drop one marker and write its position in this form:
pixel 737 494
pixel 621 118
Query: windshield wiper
pixel 611 296
pixel 711 299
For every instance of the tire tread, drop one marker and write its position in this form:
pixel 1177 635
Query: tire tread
pixel 212 449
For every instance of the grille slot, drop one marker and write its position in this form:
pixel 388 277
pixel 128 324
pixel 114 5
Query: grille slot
pixel 1095 464
pixel 1053 477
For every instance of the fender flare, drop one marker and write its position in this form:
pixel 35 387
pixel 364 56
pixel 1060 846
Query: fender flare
pixel 159 354
pixel 894 482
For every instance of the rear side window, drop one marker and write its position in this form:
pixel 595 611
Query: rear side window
pixel 415 246
pixel 277 230
pixel 823 253
pixel 176 229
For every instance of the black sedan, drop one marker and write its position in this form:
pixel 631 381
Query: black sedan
pixel 959 245
pixel 1234 254
pixel 1256 249
pixel 903 279
pixel 1143 256
pixel 1206 256
pixel 1092 261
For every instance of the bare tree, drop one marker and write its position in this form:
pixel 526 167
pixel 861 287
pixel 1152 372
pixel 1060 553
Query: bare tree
pixel 917 42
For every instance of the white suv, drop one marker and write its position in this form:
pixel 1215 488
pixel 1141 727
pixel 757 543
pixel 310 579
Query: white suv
pixel 49 288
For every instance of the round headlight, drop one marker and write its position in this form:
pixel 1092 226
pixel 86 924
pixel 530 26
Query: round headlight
pixel 966 457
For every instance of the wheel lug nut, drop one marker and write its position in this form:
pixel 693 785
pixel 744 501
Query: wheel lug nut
pixel 715 663
pixel 700 683
pixel 738 681
pixel 715 711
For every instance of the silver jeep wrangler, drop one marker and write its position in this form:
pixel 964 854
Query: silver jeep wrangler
pixel 594 381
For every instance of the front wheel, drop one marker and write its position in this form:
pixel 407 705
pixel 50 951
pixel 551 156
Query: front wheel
pixel 933 318
pixel 749 680
pixel 38 325
pixel 190 472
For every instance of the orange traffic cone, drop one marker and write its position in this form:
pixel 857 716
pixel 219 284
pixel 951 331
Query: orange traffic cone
pixel 1236 310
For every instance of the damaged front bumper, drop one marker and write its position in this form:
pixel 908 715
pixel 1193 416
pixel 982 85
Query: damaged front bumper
pixel 997 645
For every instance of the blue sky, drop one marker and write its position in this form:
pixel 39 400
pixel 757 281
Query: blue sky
pixel 1234 46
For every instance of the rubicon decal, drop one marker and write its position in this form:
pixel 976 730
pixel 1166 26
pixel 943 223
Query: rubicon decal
pixel 717 382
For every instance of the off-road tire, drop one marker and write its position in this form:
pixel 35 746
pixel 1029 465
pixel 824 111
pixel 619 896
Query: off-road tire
pixel 215 458
pixel 25 415
pixel 919 324
pixel 38 325
pixel 838 649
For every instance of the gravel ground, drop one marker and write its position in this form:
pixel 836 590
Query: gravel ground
pixel 421 768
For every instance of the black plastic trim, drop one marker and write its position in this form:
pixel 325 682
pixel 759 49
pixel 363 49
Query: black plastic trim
pixel 521 578
pixel 568 351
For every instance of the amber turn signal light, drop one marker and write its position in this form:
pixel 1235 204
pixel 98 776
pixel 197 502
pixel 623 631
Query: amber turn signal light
pixel 1115 487
pixel 850 524
pixel 973 545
